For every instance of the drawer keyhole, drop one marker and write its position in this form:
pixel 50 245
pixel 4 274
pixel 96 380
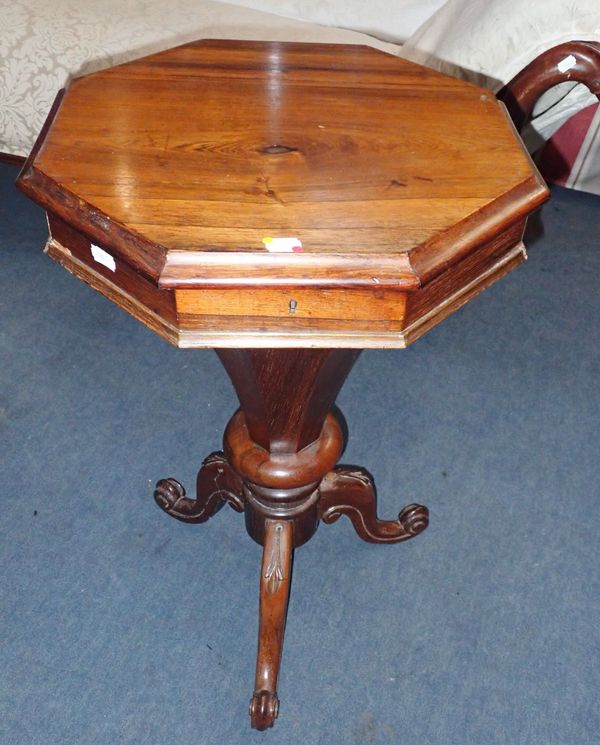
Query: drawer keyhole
pixel 292 306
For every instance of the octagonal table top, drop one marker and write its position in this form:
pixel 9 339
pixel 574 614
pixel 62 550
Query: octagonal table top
pixel 221 163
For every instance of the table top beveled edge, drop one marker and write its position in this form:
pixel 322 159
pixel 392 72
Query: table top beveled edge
pixel 171 268
pixel 144 255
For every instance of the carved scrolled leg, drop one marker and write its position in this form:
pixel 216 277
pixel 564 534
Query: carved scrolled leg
pixel 347 491
pixel 275 579
pixel 216 484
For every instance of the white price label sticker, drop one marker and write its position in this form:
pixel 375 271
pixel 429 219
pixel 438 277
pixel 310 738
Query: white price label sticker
pixel 567 63
pixel 282 245
pixel 103 257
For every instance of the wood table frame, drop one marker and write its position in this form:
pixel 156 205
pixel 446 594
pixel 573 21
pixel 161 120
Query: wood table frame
pixel 279 461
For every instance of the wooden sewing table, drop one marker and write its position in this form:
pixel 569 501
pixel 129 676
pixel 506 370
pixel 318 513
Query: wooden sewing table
pixel 288 205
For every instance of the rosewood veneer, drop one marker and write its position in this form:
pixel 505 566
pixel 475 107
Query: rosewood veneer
pixel 288 205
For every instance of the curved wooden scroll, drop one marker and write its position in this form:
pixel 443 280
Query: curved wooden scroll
pixel 216 484
pixel 547 70
pixel 350 491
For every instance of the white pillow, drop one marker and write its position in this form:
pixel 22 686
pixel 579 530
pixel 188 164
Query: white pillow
pixel 394 20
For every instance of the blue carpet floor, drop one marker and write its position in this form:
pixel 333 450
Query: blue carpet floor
pixel 120 625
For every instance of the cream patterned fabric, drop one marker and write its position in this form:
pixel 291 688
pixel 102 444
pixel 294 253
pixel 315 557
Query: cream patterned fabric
pixel 44 42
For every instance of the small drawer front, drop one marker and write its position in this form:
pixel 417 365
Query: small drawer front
pixel 292 303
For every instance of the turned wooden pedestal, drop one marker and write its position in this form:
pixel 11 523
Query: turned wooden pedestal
pixel 279 467
pixel 287 205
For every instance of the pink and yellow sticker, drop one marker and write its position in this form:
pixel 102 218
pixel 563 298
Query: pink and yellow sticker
pixel 282 245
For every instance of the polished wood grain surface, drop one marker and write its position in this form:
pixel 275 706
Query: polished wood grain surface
pixel 359 305
pixel 387 176
pixel 216 145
